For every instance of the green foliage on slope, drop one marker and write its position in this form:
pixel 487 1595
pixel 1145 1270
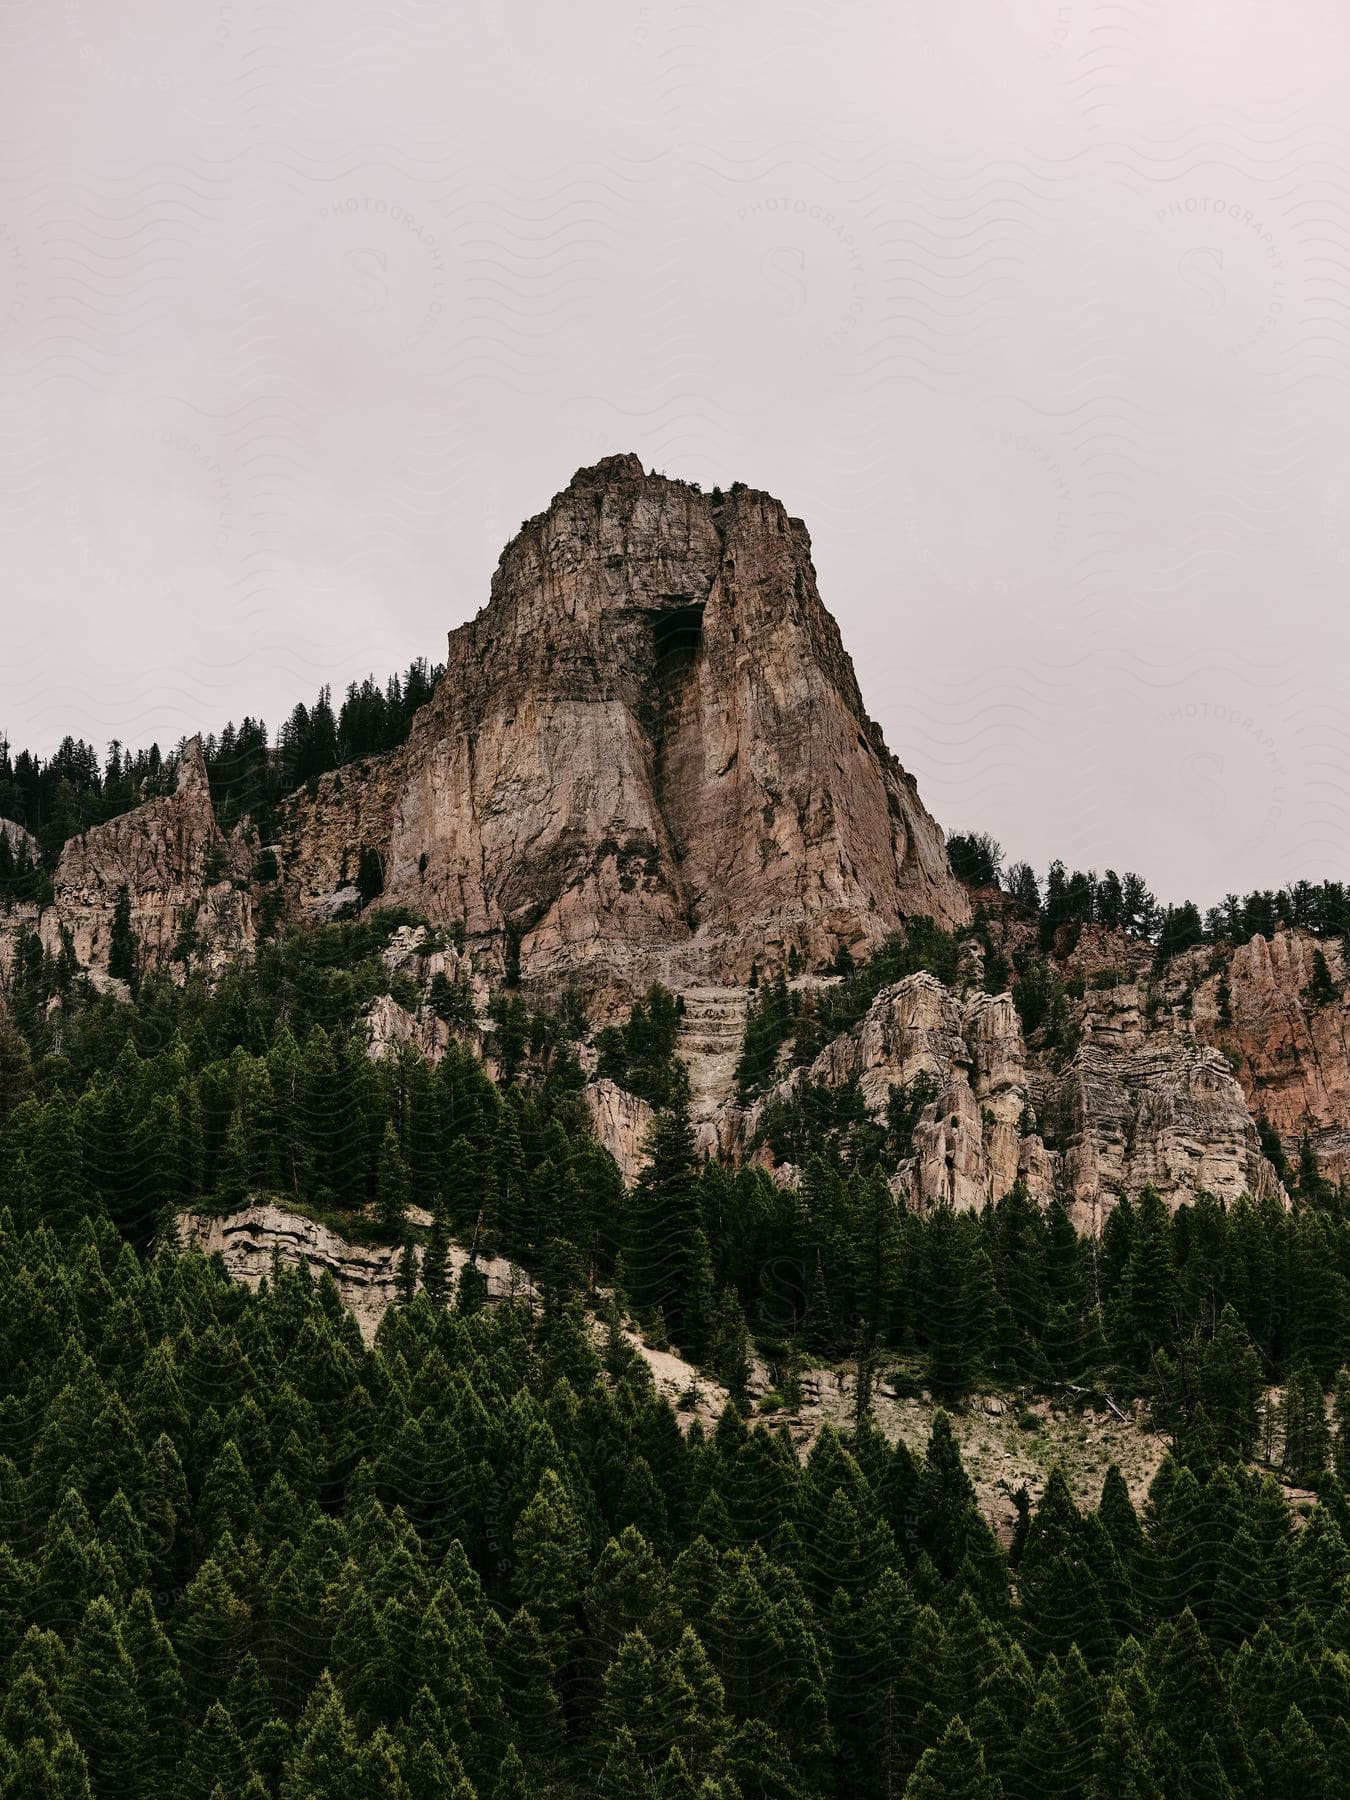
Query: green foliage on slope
pixel 243 1553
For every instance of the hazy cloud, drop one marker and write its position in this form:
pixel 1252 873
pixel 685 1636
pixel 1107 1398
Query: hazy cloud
pixel 1037 313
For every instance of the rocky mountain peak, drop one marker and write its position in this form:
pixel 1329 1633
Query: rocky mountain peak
pixel 648 757
pixel 191 778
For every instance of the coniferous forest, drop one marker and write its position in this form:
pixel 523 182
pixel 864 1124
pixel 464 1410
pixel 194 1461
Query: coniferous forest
pixel 245 1553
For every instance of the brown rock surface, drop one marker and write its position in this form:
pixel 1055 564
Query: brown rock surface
pixel 174 862
pixel 365 1275
pixel 1295 1054
pixel 21 842
pixel 1171 1116
pixel 391 1028
pixel 648 757
pixel 621 1121
pixel 1134 1105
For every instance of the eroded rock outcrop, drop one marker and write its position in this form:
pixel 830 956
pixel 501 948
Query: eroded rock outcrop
pixel 1171 1116
pixel 648 757
pixel 913 1027
pixel 1135 1104
pixel 365 1276
pixel 391 1027
pixel 185 880
pixel 621 1121
pixel 23 844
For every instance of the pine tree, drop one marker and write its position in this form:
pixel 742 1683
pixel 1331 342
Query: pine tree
pixel 551 1557
pixel 638 1699
pixel 952 1769
pixel 1321 1563
pixel 951 1527
pixel 1321 989
pixel 100 1704
pixel 436 1259
pixel 16 1063
pixel 391 1185
pixel 56 1164
pixel 159 1682
pixel 755 1761
pixel 1230 1387
pixel 623 1776
pixel 1120 1767
pixel 665 1220
pixel 1145 1310
pixel 56 1773
pixel 1193 1701
pixel 701 1315
pixel 531 1699
pixel 729 1347
pixel 1062 1601
pixel 820 1330
pixel 123 949
pixel 512 1782
pixel 1044 1757
pixel 216 1758
pixel 326 1749
pixel 211 1633
pixel 227 1501
pixel 1303 1764
pixel 1307 1439
pixel 1341 1414
pixel 471 1289
pixel 875 1255
pixel 378 1771
pixel 960 1299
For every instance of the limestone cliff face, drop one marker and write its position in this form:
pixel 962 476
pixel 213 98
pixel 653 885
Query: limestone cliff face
pixel 1172 1117
pixel 1134 1105
pixel 391 1028
pixel 21 842
pixel 177 867
pixel 621 1122
pixel 1284 1037
pixel 648 757
pixel 1258 1005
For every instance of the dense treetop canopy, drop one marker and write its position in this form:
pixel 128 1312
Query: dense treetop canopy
pixel 243 1554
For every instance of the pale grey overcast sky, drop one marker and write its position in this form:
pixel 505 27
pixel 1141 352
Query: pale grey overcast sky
pixel 1036 311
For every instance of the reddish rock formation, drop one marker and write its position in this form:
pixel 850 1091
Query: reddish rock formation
pixel 648 757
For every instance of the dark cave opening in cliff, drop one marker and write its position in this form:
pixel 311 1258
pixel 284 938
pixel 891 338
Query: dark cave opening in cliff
pixel 676 636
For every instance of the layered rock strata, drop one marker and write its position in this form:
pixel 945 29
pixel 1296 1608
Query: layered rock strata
pixel 365 1276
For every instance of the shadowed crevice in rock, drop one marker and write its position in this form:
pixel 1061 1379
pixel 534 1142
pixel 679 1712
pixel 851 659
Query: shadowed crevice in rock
pixel 677 741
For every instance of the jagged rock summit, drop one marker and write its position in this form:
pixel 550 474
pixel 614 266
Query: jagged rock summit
pixel 178 870
pixel 648 758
